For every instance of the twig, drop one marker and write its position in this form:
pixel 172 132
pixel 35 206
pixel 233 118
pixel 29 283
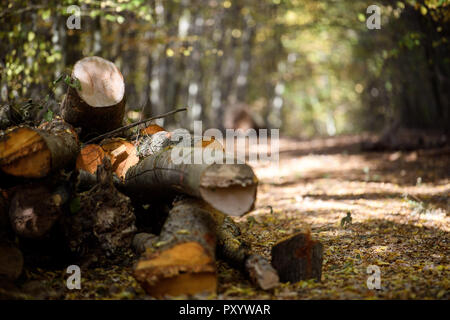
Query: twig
pixel 111 133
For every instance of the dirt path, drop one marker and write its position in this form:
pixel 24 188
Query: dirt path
pixel 399 204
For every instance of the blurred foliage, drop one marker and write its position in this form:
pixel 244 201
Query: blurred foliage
pixel 307 66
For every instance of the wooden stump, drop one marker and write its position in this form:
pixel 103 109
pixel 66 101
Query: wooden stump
pixel 98 106
pixel 298 258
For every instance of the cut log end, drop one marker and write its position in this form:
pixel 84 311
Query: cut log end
pixel 185 268
pixel 101 82
pixel 24 153
pixel 35 209
pixel 90 157
pixel 233 200
pixel 229 188
pixel 298 258
pixel 122 154
pixel 98 105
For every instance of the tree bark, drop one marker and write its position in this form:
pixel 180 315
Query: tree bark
pixel 182 260
pixel 298 258
pixel 98 106
pixel 34 153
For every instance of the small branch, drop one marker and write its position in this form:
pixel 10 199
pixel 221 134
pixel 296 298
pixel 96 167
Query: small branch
pixel 112 133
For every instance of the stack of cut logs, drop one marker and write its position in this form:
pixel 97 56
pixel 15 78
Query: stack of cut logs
pixel 101 199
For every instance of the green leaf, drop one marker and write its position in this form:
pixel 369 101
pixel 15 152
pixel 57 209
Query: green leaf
pixel 48 115
pixel 58 79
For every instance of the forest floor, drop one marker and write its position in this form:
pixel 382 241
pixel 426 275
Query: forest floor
pixel 399 204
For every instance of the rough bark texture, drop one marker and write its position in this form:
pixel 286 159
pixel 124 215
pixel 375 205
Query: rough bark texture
pixel 103 227
pixel 298 258
pixel 35 208
pixel 94 120
pixel 233 249
pixel 182 259
pixel 230 188
pixel 34 153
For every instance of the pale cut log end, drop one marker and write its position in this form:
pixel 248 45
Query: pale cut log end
pixel 230 188
pixel 24 153
pixel 102 84
pixel 185 268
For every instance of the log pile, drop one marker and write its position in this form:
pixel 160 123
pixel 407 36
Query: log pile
pixel 82 180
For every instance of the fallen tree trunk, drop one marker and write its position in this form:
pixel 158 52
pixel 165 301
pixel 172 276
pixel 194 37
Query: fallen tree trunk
pixel 230 247
pixel 34 153
pixel 233 249
pixel 298 258
pixel 230 188
pixel 182 260
pixel 98 104
pixel 34 209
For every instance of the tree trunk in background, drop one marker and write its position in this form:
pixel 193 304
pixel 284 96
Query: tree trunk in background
pixel 230 188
